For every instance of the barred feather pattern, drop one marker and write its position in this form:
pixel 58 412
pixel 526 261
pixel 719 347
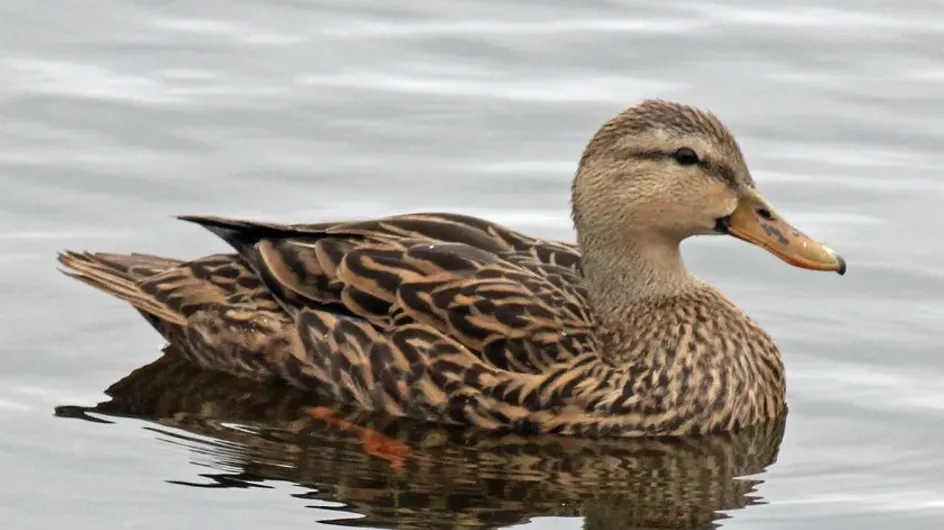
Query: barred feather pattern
pixel 445 318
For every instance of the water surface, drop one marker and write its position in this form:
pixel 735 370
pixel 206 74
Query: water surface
pixel 119 115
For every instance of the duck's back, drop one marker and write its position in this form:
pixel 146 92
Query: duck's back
pixel 405 312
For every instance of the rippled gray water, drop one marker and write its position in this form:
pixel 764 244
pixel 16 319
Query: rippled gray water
pixel 117 115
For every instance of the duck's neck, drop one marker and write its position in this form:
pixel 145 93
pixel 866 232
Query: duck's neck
pixel 626 273
pixel 624 269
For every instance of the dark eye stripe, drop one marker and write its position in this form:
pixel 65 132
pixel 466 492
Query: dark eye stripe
pixel 650 155
pixel 722 172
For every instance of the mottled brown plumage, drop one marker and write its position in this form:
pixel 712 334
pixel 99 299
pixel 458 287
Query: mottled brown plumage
pixel 458 320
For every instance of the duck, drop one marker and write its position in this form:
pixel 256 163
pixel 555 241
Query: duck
pixel 456 320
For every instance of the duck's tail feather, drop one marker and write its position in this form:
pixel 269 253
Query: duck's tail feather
pixel 120 275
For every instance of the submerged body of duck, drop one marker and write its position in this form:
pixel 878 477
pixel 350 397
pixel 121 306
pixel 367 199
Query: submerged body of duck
pixel 455 319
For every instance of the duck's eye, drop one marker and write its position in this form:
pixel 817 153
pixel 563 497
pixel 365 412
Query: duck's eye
pixel 686 156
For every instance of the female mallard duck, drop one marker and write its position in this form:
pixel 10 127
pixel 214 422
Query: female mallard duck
pixel 459 320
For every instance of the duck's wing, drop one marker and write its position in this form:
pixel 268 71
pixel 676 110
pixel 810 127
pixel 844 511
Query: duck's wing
pixel 513 301
pixel 435 318
pixel 423 316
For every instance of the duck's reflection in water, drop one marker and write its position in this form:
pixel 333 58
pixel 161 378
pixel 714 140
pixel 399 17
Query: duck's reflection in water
pixel 403 474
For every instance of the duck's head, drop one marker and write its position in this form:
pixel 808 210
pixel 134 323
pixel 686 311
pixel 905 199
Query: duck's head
pixel 660 172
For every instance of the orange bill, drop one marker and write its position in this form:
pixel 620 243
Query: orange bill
pixel 755 221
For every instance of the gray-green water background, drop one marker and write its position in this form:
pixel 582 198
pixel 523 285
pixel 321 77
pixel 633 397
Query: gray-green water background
pixel 114 116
